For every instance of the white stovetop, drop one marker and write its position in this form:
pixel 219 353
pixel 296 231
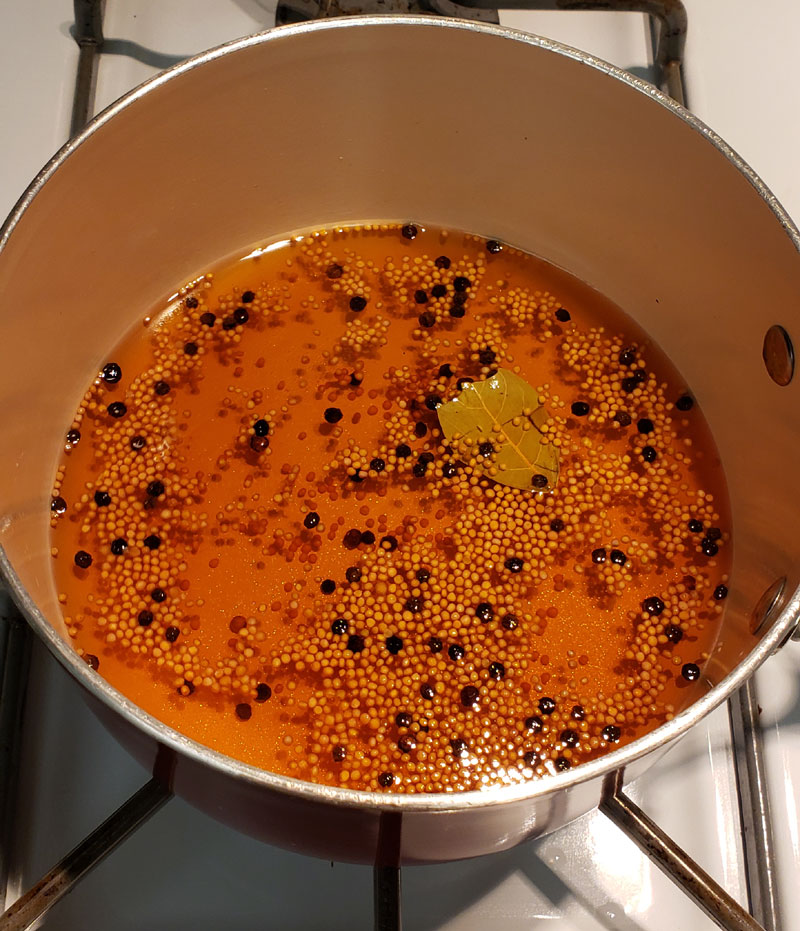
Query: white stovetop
pixel 182 870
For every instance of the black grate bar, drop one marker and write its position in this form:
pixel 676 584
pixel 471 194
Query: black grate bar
pixel 88 33
pixel 15 651
pixel 659 847
pixel 754 809
pixel 63 877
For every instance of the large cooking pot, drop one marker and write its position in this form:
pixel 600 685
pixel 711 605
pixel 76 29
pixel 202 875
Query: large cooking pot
pixel 469 127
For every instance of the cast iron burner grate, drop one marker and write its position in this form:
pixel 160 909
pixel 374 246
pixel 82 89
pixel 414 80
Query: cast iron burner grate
pixel 668 32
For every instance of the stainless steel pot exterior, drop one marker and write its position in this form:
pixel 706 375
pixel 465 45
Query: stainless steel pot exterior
pixel 470 127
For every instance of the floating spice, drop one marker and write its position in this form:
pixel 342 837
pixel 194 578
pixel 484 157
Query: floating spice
pixel 317 516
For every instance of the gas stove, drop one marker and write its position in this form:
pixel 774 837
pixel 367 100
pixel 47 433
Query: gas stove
pixel 181 869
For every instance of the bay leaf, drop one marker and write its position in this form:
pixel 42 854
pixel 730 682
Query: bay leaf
pixel 506 411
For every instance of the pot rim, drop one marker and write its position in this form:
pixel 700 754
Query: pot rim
pixel 102 690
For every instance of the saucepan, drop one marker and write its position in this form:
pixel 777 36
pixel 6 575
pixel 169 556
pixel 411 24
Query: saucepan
pixel 469 127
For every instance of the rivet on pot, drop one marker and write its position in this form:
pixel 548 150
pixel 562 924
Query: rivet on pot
pixel 768 605
pixel 778 353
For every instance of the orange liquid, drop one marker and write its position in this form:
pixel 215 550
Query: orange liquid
pixel 304 596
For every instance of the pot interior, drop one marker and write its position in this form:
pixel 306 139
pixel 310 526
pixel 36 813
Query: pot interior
pixel 480 130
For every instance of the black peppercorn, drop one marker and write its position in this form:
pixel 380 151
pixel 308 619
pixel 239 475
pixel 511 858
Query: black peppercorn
pixel 611 733
pixel 690 672
pixel 684 403
pixel 332 415
pixel 599 555
pixel 311 520
pixel 435 645
pixel 339 626
pixel 653 606
pixel 580 408
pixel 394 644
pixel 469 696
pixel 673 633
pixel 111 373
pixel 358 303
pixel 102 499
pixel 484 612
pixel 547 705
pixel 263 692
pixel 355 643
pixel 562 314
pixel 569 737
pixel 83 559
pixel 409 231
